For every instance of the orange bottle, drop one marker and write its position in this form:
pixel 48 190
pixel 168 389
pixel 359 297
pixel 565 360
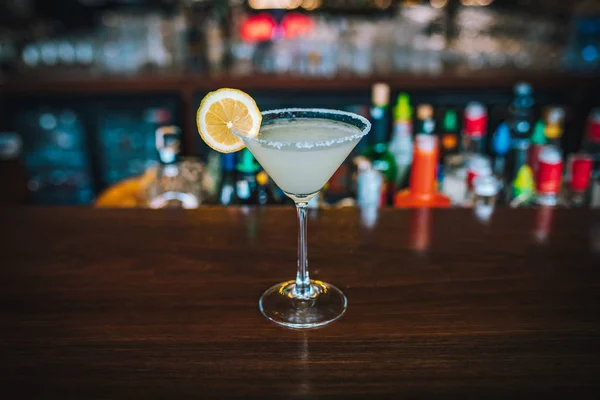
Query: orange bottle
pixel 422 191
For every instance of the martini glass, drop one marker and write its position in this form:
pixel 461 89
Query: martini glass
pixel 300 149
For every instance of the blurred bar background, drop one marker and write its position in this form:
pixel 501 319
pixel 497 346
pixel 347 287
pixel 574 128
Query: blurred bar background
pixel 85 84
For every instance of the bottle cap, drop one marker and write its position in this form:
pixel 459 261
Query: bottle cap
pixel 555 115
pixel 424 112
pixel 501 139
pixel 554 122
pixel 553 131
pixel 381 94
pixel 167 142
pixel 485 186
pixel 550 155
pixel 402 110
pixel 475 110
pixel 539 133
pixel 262 178
pixel 450 121
pixel 449 141
pixel 478 161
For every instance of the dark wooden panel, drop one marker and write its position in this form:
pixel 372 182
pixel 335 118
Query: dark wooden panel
pixel 185 83
pixel 145 304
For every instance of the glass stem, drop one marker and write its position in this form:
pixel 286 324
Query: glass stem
pixel 303 287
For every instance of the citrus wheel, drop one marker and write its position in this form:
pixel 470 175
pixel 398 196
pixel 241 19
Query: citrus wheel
pixel 223 111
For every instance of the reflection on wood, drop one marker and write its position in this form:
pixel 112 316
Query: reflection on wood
pixel 163 304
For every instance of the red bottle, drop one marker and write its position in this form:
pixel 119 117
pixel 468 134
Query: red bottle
pixel 580 168
pixel 549 176
pixel 474 128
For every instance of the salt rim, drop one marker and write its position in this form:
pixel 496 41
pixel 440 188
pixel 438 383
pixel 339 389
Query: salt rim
pixel 306 144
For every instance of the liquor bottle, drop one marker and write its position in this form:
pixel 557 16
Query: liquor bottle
pixel 245 185
pixel 227 194
pixel 342 184
pixel 454 183
pixel 449 139
pixel 591 144
pixel 517 158
pixel 401 143
pixel 171 188
pixel 369 184
pixel 521 114
pixel 474 128
pixel 591 140
pixel 213 174
pixel 485 192
pixel 378 152
pixel 580 172
pixel 520 123
pixel 549 176
pixel 500 148
pixel 453 171
pixel 422 191
pixel 522 187
pixel 479 166
pixel 264 195
pixel 554 121
pixel 538 141
pixel 425 124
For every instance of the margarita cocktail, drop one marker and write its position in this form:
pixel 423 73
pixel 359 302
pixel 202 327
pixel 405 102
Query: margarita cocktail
pixel 301 149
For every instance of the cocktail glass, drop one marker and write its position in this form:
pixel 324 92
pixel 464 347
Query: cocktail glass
pixel 301 149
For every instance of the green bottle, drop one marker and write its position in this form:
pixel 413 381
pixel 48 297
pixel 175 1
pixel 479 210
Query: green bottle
pixel 377 152
pixel 523 186
pixel 401 145
pixel 246 188
pixel 449 134
pixel 538 137
pixel 538 141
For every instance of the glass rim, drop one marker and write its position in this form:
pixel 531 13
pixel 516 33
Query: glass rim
pixel 319 143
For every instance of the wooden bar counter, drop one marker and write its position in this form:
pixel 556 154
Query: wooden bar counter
pixel 124 304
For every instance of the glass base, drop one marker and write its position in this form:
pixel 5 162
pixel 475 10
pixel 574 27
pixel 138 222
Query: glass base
pixel 326 304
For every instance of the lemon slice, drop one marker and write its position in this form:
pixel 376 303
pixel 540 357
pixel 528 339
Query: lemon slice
pixel 223 111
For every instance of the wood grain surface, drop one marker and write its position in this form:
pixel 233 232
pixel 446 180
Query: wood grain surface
pixel 163 304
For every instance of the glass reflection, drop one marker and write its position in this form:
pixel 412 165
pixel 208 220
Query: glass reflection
pixel 420 229
pixel 543 224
